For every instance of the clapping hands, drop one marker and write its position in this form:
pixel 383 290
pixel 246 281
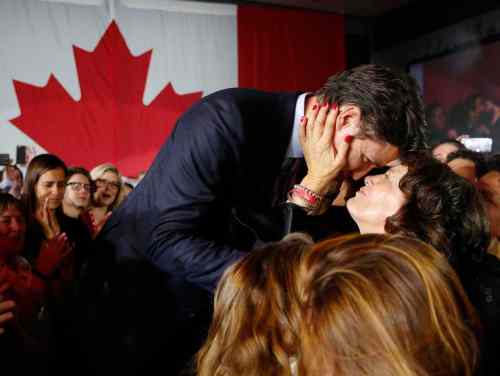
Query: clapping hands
pixel 52 254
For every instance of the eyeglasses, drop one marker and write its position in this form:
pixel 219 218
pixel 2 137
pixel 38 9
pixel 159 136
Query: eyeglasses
pixel 101 183
pixel 77 187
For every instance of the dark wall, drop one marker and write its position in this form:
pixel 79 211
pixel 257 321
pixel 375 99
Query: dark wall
pixel 367 37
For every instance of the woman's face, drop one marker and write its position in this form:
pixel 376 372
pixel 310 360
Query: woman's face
pixel 13 174
pixel 489 185
pixel 50 188
pixel 107 186
pixel 377 200
pixel 12 231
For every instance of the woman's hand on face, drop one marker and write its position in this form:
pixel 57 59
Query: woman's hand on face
pixel 317 133
pixel 47 220
pixel 53 253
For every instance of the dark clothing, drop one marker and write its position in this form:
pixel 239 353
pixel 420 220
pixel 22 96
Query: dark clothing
pixel 75 230
pixel 334 222
pixel 65 310
pixel 206 200
pixel 481 279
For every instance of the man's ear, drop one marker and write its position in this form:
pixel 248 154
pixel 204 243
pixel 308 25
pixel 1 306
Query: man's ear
pixel 349 120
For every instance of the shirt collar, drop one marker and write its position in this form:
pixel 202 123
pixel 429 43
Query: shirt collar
pixel 294 148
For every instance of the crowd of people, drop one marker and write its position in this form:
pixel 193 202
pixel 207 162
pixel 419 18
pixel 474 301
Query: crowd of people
pixel 478 115
pixel 48 221
pixel 274 234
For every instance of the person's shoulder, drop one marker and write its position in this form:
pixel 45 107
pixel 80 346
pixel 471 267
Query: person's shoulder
pixel 73 226
pixel 237 94
pixel 233 94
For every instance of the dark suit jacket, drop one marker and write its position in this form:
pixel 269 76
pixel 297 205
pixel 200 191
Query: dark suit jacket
pixel 206 200
pixel 216 171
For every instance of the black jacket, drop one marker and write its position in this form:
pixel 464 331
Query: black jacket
pixel 208 198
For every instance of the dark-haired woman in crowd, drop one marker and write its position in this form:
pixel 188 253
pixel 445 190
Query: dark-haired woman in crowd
pixel 43 194
pixel 28 329
pixel 421 197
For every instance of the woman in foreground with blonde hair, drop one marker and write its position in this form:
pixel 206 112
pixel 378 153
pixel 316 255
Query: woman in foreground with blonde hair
pixel 384 305
pixel 256 318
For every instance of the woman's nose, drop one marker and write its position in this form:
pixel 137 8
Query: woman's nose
pixel 56 191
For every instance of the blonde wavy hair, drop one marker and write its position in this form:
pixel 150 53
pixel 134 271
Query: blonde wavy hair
pixel 254 330
pixel 98 171
pixel 384 305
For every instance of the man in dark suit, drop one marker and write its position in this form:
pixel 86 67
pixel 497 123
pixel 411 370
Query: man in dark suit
pixel 210 196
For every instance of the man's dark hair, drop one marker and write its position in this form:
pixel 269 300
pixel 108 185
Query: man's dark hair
pixel 492 163
pixel 450 141
pixel 78 170
pixel 442 209
pixel 477 158
pixel 390 102
pixel 470 155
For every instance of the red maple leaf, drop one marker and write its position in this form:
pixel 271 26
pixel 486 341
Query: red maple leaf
pixel 110 122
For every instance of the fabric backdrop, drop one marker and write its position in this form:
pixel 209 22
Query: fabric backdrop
pixel 97 81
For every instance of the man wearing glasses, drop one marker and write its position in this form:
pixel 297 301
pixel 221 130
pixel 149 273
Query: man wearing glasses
pixel 77 195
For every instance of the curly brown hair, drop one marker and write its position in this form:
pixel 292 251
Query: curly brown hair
pixel 442 209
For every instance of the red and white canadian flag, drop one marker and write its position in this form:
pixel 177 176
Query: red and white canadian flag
pixel 93 88
pixel 97 81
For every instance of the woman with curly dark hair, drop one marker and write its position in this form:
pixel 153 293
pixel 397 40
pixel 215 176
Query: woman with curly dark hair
pixel 425 199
